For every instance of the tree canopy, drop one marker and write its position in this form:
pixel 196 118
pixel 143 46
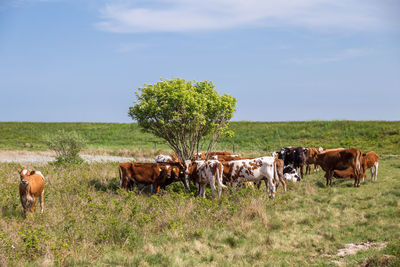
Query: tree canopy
pixel 184 113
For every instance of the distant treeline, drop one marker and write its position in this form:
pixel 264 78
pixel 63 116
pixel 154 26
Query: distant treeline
pixel 250 137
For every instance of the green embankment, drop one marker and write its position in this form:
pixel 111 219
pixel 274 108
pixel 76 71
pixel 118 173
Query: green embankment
pixel 251 137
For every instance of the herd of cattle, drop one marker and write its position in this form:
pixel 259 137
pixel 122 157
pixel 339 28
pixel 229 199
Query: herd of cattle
pixel 223 169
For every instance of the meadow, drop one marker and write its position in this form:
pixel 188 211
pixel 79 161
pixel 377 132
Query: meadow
pixel 89 221
pixel 250 137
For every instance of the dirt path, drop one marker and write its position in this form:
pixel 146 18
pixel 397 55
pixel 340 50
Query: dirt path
pixel 42 157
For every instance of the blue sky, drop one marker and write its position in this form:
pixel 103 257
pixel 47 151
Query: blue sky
pixel 82 60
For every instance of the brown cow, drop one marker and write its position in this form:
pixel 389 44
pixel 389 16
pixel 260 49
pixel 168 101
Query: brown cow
pixel 31 187
pixel 213 155
pixel 311 157
pixel 158 175
pixel 341 160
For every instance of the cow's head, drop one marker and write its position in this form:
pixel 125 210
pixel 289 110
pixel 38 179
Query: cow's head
pixel 23 174
pixel 291 174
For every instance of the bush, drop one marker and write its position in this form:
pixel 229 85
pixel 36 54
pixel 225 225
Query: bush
pixel 67 146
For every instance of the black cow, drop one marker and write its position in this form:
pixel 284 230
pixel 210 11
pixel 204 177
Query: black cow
pixel 294 156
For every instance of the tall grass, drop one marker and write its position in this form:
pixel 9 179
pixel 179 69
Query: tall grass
pixel 89 221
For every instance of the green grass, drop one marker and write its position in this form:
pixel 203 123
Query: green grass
pixel 89 221
pixel 251 137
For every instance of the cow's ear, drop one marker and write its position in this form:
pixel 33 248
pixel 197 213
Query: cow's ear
pixel 32 172
pixel 19 170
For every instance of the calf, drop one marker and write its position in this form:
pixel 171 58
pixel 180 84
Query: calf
pixel 368 160
pixel 206 172
pixel 291 174
pixel 31 187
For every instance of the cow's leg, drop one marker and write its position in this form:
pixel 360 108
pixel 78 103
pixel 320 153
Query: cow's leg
pixel 41 199
pixel 327 178
pixel 155 188
pixel 301 170
pixel 283 182
pixel 258 183
pixel 376 171
pixel 213 189
pixel 33 204
pixel 272 188
pixel 203 189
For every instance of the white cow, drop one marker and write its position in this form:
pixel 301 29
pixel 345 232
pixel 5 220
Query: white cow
pixel 163 158
pixel 253 170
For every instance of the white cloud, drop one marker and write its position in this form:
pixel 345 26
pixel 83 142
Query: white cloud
pixel 340 56
pixel 192 15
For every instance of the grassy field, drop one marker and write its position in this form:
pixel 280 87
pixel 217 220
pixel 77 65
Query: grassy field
pixel 250 137
pixel 89 221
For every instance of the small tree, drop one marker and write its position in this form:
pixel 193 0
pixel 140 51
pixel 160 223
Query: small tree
pixel 67 146
pixel 184 113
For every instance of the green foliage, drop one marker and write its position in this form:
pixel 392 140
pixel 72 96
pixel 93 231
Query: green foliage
pixel 67 146
pixel 183 113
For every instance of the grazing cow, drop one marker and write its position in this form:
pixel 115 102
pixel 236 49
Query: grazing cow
pixel 31 187
pixel 341 160
pixel 291 174
pixel 311 155
pixel 206 172
pixel 294 156
pixel 253 170
pixel 158 175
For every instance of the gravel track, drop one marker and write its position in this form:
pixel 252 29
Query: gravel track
pixel 43 157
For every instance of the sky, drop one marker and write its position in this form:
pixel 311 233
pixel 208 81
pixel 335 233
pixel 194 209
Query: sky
pixel 283 60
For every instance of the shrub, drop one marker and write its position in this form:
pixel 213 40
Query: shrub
pixel 67 146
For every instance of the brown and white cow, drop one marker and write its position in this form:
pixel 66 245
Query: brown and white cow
pixel 370 161
pixel 31 187
pixel 158 175
pixel 341 160
pixel 203 172
pixel 253 170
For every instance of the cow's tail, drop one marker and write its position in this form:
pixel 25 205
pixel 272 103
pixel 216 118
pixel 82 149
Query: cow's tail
pixel 220 172
pixel 359 171
pixel 120 176
pixel 276 175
